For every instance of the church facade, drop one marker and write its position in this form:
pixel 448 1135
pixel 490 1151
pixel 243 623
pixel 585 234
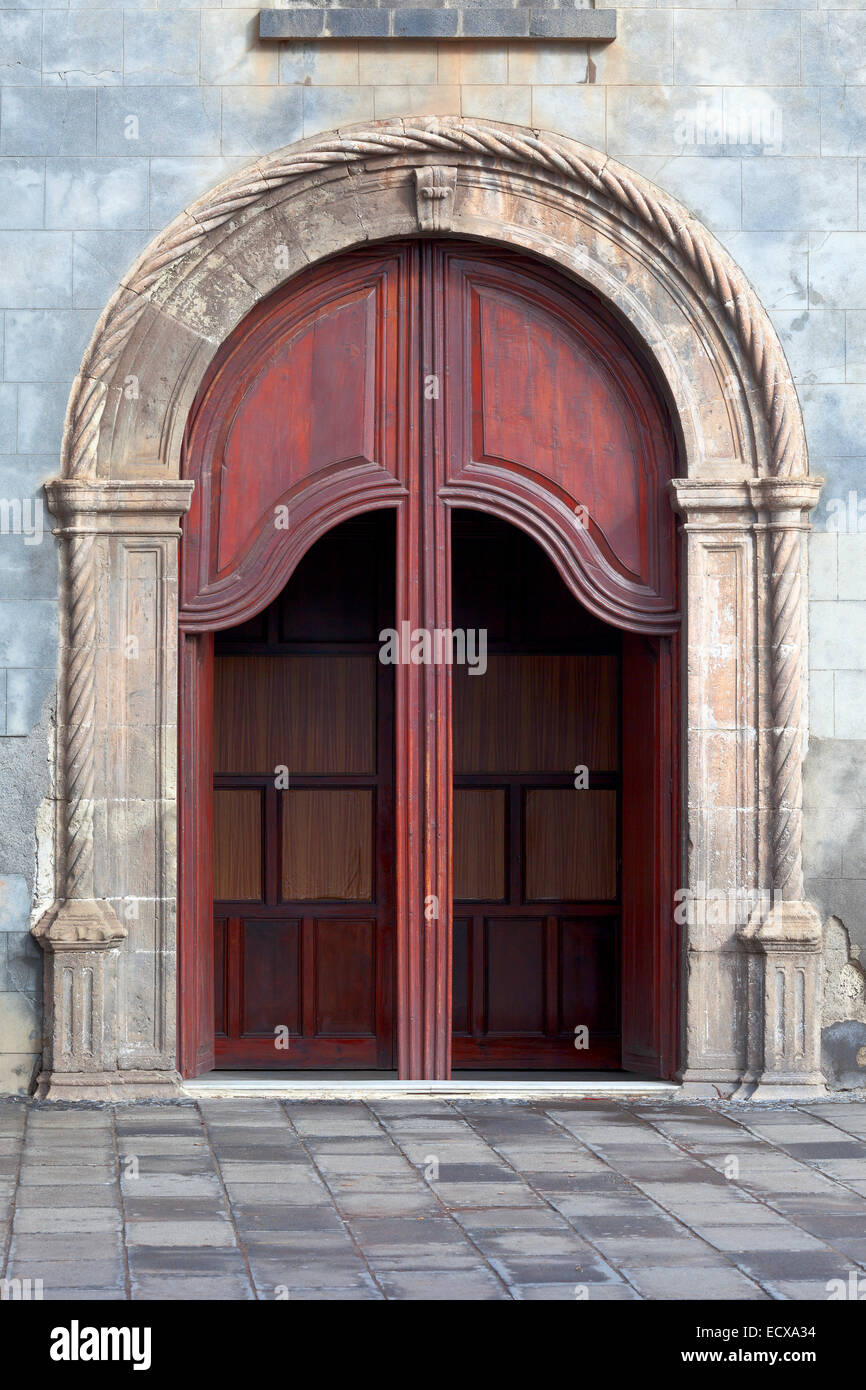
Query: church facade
pixel 433 597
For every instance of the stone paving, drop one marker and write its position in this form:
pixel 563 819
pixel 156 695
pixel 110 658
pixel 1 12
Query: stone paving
pixel 434 1199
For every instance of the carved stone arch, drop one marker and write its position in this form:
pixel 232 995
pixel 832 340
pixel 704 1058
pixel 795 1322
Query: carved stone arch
pixel 745 496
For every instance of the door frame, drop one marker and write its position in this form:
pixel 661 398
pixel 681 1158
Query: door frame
pixel 439 474
pixel 751 988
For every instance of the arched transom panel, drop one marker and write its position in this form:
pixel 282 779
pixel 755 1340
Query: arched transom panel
pixel 334 394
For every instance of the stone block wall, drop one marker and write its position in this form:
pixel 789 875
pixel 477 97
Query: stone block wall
pixel 113 118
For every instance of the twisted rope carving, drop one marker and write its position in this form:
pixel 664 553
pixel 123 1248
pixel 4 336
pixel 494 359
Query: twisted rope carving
pixel 787 701
pixel 521 150
pixel 79 716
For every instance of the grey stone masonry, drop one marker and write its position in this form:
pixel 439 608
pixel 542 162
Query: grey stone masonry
pixel 476 21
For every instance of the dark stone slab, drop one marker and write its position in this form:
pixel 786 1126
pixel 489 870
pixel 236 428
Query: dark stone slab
pixel 424 24
pixel 495 24
pixel 358 24
pixel 792 1264
pixel 599 25
pixel 436 21
pixel 180 1259
pixel 291 24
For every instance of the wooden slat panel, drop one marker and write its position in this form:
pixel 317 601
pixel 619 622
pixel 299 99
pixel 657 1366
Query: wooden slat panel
pixel 479 844
pixel 537 713
pixel 570 845
pixel 237 845
pixel 327 845
pixel 345 978
pixel 311 714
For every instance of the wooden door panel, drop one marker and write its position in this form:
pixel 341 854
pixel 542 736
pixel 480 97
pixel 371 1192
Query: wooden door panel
pixel 345 978
pixel 303 735
pixel 522 985
pixel 327 844
pixel 480 840
pixel 589 976
pixel 310 714
pixel 237 844
pixel 556 412
pixel 299 410
pixel 219 976
pixel 514 968
pixel 461 975
pixel 496 723
pixel 270 971
pixel 330 358
pixel 570 850
pixel 543 960
pixel 549 405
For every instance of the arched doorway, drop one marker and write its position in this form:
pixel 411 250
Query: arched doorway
pixel 515 911
pixel 117 958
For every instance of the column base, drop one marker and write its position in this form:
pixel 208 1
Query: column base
pixel 108 1086
pixel 781 1088
pixel 706 1083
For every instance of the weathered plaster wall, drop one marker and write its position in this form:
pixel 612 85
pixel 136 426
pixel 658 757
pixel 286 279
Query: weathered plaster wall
pixel 113 119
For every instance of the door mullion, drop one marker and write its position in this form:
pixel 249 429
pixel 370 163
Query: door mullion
pixel 423 701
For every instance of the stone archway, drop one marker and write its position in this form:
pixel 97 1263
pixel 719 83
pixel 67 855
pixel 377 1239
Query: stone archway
pixel 751 981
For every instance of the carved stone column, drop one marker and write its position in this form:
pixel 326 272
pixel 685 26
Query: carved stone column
pixel 115 780
pixel 752 942
pixel 723 829
pixel 784 934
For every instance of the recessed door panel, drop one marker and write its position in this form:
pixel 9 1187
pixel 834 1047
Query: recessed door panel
pixel 514 963
pixel 496 723
pixel 311 714
pixel 345 978
pixel 237 844
pixel 554 405
pixel 570 845
pixel 269 971
pixel 330 357
pixel 327 844
pixel 480 843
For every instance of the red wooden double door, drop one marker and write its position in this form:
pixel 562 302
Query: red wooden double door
pixel 428 680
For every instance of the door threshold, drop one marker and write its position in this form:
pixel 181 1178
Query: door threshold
pixel 386 1086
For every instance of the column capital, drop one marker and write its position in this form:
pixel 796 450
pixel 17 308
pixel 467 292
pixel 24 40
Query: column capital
pixel 88 506
pixel 710 499
pixel 695 496
pixel 795 495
